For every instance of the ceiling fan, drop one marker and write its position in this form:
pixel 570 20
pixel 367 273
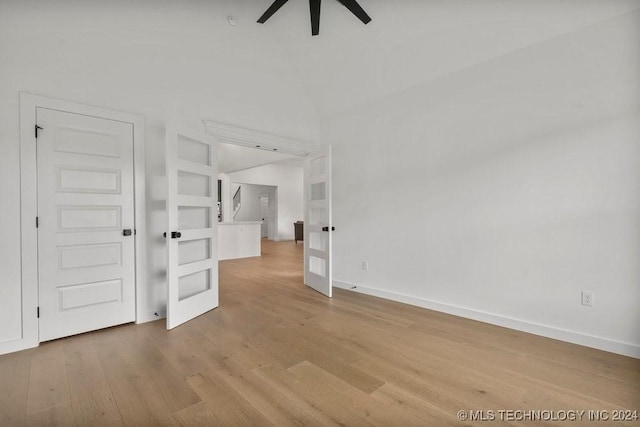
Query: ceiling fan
pixel 314 6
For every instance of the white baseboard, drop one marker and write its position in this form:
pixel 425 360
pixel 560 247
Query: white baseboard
pixel 150 316
pixel 24 344
pixel 600 343
pixel 17 345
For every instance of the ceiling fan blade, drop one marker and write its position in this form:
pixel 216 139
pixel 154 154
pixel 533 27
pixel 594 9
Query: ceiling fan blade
pixel 314 7
pixel 272 9
pixel 355 8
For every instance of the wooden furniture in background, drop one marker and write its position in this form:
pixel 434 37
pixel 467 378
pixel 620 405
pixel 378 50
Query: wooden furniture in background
pixel 298 227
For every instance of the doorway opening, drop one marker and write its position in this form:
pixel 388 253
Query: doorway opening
pixel 264 187
pixel 313 187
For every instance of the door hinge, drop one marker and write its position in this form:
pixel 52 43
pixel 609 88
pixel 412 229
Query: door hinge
pixel 37 222
pixel 38 312
pixel 36 129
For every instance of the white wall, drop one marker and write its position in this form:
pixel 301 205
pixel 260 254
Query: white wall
pixel 501 191
pixel 249 207
pixel 288 179
pixel 249 199
pixel 162 59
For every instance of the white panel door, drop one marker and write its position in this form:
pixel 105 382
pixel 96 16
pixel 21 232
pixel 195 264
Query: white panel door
pixel 86 246
pixel 317 222
pixel 192 247
pixel 264 215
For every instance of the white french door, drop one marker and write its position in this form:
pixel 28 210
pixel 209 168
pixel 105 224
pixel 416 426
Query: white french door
pixel 86 246
pixel 191 238
pixel 318 227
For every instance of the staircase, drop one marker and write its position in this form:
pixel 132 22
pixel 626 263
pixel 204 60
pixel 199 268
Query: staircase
pixel 236 202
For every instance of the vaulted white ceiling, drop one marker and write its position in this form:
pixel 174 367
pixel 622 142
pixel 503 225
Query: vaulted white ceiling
pixel 410 42
pixel 233 158
pixel 407 44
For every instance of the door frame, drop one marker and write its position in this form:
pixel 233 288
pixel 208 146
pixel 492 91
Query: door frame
pixel 260 196
pixel 259 140
pixel 272 218
pixel 29 204
pixel 251 138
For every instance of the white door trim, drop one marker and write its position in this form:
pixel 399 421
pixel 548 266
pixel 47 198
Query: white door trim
pixel 29 202
pixel 267 217
pixel 259 140
pixel 252 138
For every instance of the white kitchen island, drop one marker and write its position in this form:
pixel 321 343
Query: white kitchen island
pixel 239 239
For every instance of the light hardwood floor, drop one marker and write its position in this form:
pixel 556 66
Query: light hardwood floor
pixel 277 353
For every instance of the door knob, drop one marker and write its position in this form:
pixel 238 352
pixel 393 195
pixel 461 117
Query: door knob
pixel 327 229
pixel 126 232
pixel 174 234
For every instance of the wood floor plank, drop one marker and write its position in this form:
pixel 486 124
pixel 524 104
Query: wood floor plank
pixel 336 396
pixel 516 343
pixel 415 405
pixel 309 344
pixel 274 342
pixel 48 385
pixel 218 328
pixel 319 401
pixel 91 399
pixel 14 372
pixel 283 310
pixel 200 414
pixel 272 404
pixel 140 394
pixel 498 361
pixel 229 407
pixel 191 355
pixel 60 415
pixel 169 385
pixel 448 392
pixel 127 385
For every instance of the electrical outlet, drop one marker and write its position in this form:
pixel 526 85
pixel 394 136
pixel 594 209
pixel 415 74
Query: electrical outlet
pixel 587 298
pixel 365 265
